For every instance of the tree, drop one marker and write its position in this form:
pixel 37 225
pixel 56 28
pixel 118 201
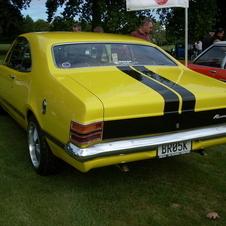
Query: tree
pixel 60 24
pixel 28 24
pixel 221 15
pixel 199 22
pixel 41 25
pixel 111 15
pixel 114 18
pixel 52 6
pixel 158 35
pixel 11 19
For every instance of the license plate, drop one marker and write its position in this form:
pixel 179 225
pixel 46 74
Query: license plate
pixel 172 149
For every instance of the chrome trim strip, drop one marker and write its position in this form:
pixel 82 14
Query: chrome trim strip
pixel 142 144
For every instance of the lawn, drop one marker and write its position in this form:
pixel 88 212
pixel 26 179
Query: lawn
pixel 174 191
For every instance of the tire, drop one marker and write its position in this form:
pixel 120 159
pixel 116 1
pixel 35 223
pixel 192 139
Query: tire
pixel 42 158
pixel 2 111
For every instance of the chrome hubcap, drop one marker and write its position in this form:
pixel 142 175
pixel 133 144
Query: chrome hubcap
pixel 34 145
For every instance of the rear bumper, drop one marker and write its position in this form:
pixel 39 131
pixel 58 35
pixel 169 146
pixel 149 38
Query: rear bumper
pixel 143 144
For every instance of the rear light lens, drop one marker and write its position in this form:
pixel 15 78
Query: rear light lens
pixel 85 134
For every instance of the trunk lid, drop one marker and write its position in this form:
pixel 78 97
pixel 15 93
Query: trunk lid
pixel 143 100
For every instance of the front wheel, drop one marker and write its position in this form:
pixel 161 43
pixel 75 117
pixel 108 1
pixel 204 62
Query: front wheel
pixel 42 158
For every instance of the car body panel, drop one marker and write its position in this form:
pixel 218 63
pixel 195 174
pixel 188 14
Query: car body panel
pixel 134 102
pixel 212 61
pixel 119 86
pixel 213 72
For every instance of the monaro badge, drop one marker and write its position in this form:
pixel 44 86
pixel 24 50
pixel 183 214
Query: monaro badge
pixel 219 116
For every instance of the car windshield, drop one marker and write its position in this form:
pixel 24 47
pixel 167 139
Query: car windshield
pixel 214 57
pixel 108 54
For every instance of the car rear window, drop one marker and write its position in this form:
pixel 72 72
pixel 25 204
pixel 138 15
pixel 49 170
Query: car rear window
pixel 108 54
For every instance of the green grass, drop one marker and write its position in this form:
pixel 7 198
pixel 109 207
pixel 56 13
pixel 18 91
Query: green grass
pixel 168 47
pixel 174 191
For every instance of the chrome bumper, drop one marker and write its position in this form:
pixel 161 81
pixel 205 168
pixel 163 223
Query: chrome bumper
pixel 123 147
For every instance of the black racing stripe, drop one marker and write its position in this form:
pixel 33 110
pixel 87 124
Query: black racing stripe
pixel 187 97
pixel 171 99
pixel 162 124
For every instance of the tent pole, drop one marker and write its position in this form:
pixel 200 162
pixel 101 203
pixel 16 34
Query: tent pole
pixel 186 37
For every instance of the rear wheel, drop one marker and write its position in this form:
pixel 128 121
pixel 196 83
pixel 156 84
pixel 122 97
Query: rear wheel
pixel 2 111
pixel 42 158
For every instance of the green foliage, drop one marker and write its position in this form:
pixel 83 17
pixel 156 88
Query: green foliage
pixel 28 24
pixel 114 18
pixel 19 4
pixel 41 25
pixel 11 19
pixel 59 24
pixel 158 34
pixel 203 15
pixel 221 15
pixel 199 21
pixel 111 15
pixel 72 8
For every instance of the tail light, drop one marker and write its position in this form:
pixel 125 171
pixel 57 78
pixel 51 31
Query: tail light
pixel 85 134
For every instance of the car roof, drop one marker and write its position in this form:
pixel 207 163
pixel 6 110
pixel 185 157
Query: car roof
pixel 220 43
pixel 64 37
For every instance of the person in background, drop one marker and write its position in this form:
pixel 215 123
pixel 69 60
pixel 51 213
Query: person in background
pixel 218 35
pixel 206 42
pixel 98 29
pixel 199 47
pixel 143 31
pixel 77 28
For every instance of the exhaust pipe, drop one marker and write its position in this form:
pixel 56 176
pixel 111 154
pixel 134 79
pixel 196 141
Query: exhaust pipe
pixel 123 167
pixel 202 152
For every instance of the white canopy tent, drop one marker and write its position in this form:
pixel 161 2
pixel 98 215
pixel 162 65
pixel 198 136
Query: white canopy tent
pixel 134 5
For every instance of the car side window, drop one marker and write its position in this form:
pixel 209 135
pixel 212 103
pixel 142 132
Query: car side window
pixel 213 57
pixel 19 57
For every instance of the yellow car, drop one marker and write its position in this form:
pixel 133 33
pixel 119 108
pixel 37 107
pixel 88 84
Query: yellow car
pixel 94 100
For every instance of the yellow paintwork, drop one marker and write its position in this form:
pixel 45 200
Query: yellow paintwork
pixel 70 94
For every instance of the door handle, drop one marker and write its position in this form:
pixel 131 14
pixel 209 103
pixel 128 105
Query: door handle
pixel 213 71
pixel 12 76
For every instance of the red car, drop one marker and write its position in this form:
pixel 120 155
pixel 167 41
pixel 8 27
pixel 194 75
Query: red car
pixel 212 61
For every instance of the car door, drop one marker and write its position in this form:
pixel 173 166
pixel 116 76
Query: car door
pixel 209 71
pixel 15 77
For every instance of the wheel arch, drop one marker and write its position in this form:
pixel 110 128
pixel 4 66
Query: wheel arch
pixel 29 114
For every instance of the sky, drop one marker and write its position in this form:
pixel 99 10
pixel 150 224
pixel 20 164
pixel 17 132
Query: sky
pixel 37 10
